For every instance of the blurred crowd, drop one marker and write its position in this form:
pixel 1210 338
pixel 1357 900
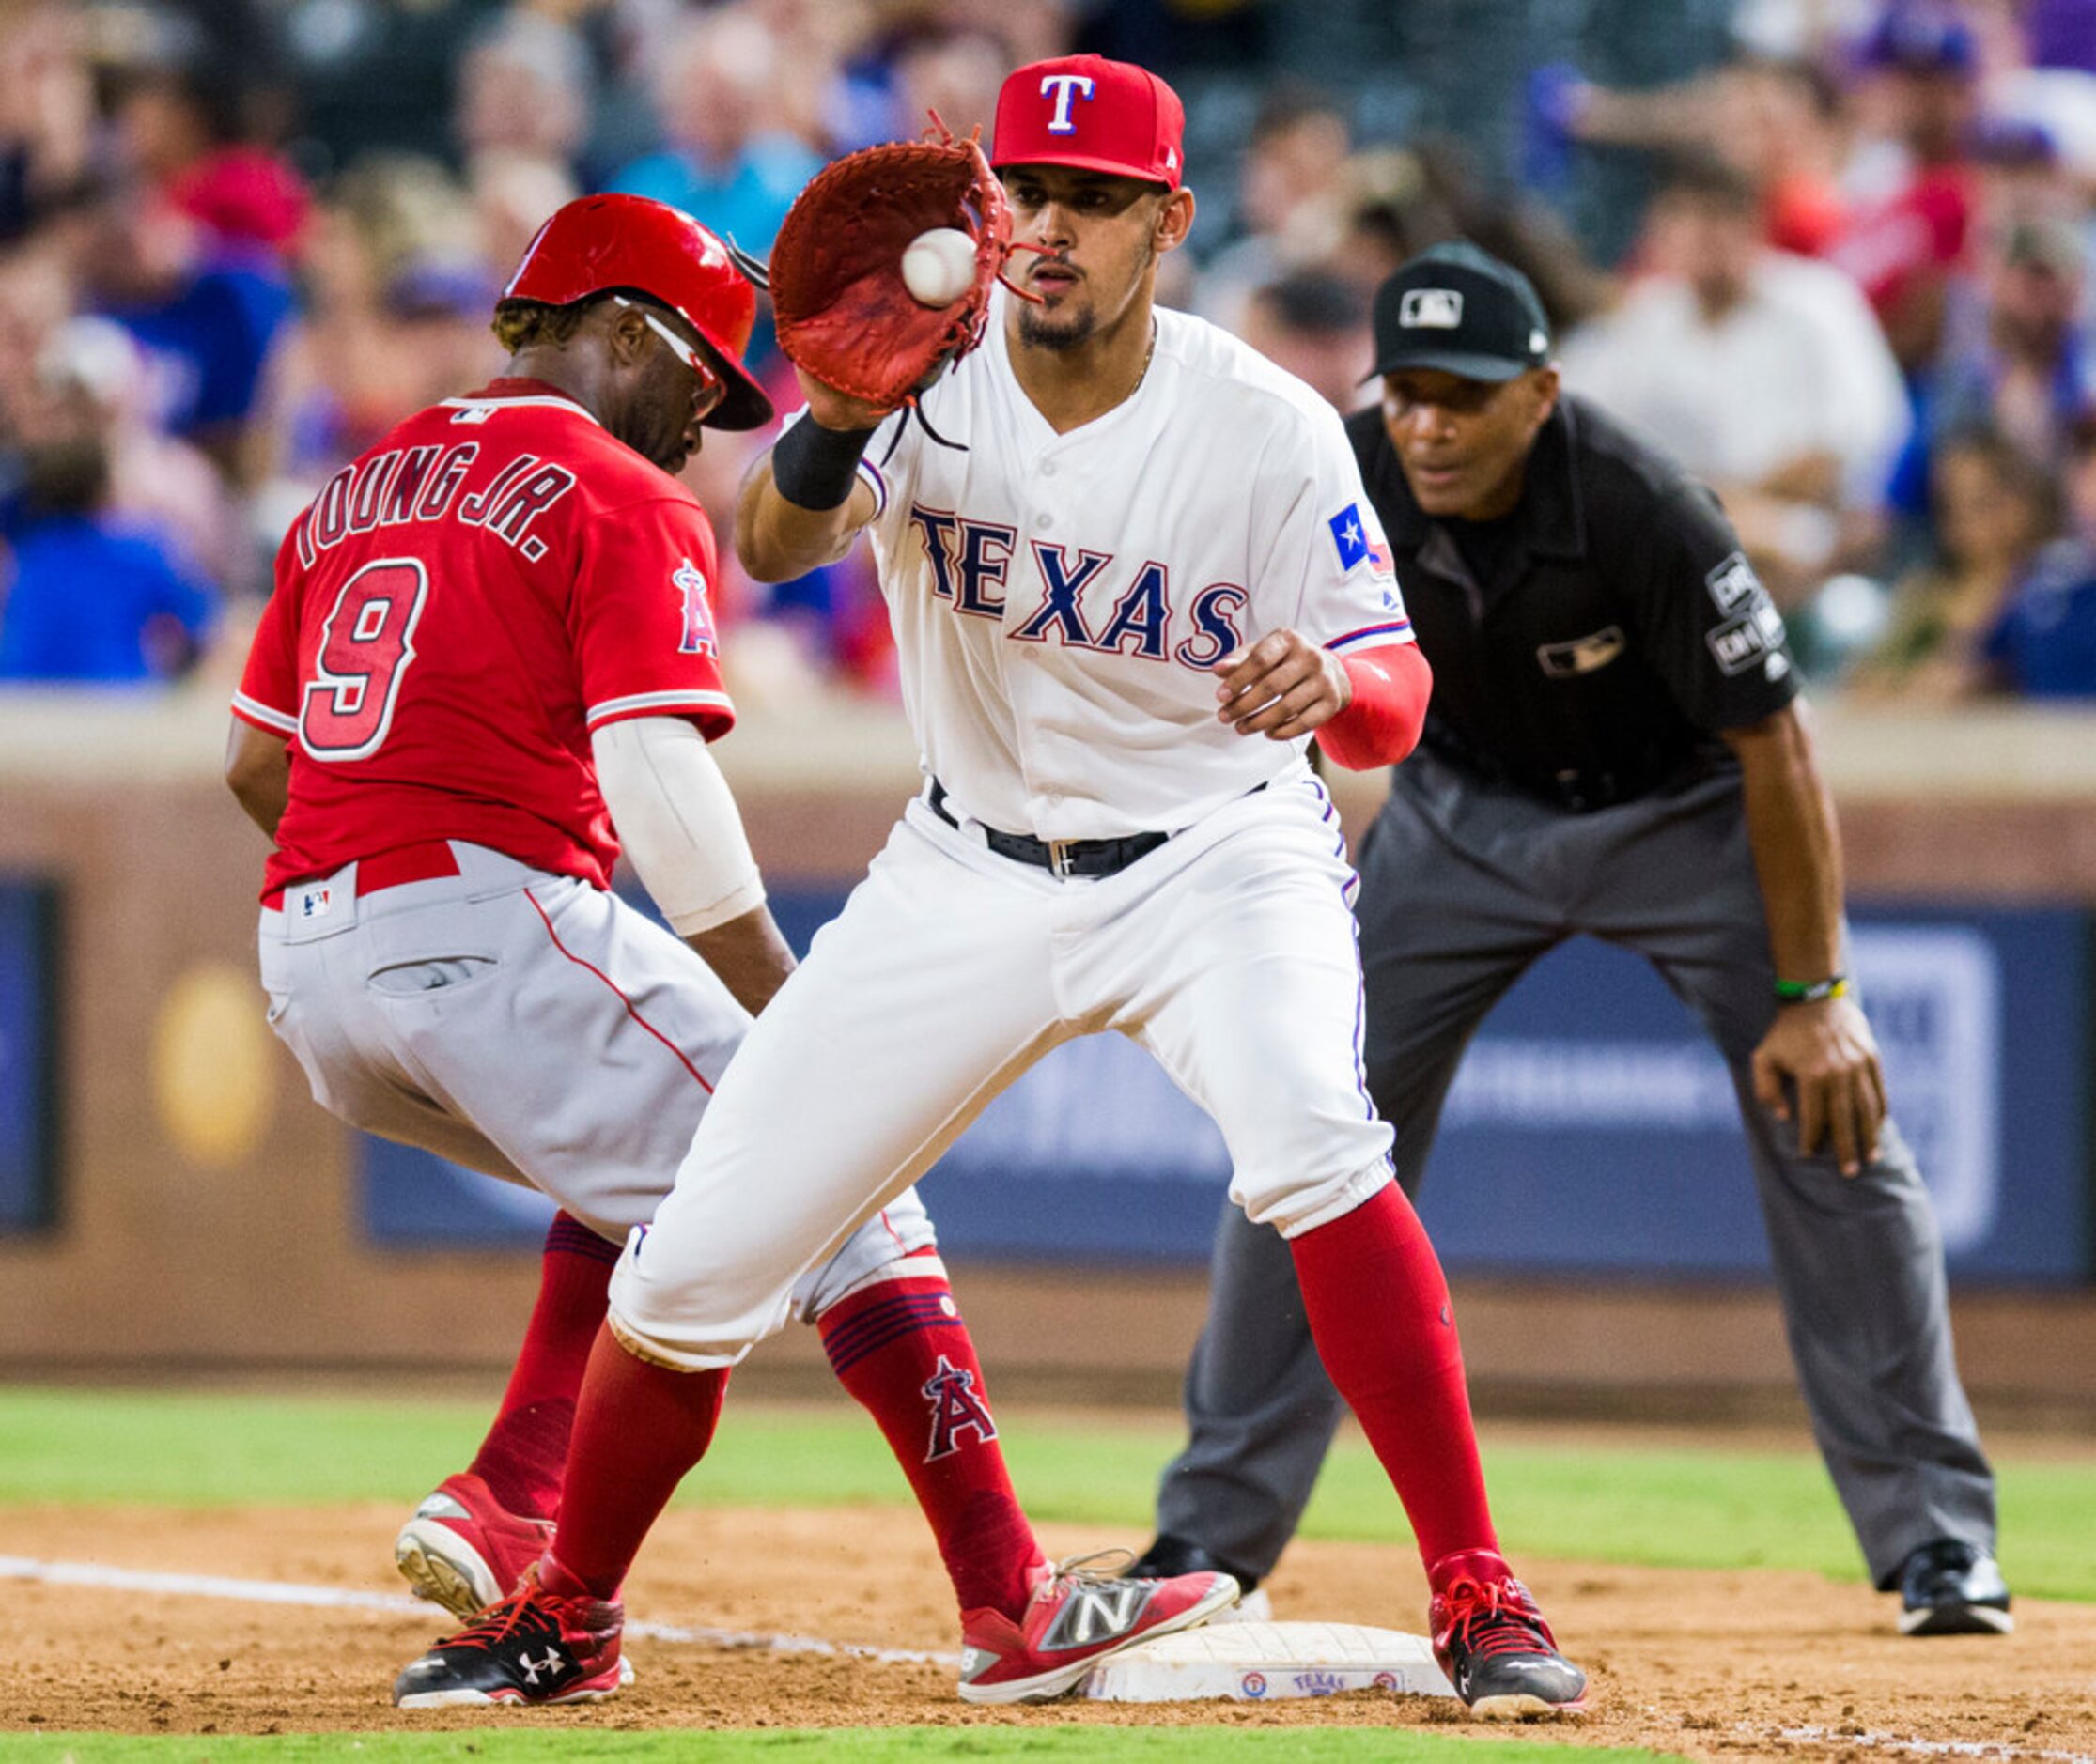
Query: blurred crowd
pixel 240 238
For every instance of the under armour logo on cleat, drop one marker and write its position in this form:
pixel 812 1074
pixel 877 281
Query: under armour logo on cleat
pixel 532 1668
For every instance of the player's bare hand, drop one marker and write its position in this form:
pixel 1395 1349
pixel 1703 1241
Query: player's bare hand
pixel 834 408
pixel 1830 1056
pixel 1283 687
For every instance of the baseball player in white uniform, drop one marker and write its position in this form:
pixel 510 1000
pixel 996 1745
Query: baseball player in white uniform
pixel 1123 603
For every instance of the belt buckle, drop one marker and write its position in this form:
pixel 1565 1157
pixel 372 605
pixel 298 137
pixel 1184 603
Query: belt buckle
pixel 1061 855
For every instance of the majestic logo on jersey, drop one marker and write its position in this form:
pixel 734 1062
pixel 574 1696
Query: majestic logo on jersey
pixel 1357 544
pixel 1063 86
pixel 955 1408
pixel 971 563
pixel 1431 309
pixel 699 636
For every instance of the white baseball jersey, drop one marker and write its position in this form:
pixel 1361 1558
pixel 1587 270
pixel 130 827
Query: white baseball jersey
pixel 1058 599
pixel 1057 602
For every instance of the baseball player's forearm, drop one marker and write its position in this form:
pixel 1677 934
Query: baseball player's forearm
pixel 682 831
pixel 1382 721
pixel 259 773
pixel 779 535
pixel 749 954
pixel 1796 846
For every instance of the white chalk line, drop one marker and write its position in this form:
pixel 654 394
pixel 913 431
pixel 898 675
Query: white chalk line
pixel 1868 1740
pixel 106 1579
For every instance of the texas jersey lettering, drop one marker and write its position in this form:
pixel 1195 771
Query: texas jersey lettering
pixel 1056 611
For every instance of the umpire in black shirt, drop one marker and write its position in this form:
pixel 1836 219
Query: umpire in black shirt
pixel 1614 747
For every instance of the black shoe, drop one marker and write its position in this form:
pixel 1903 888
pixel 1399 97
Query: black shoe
pixel 531 1648
pixel 1491 1641
pixel 1169 1555
pixel 1952 1588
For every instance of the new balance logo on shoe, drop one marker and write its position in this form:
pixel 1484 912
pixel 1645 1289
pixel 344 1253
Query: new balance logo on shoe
pixel 1077 1614
pixel 1096 1613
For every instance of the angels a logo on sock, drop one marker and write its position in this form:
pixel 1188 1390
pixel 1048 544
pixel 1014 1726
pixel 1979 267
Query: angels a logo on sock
pixel 955 1408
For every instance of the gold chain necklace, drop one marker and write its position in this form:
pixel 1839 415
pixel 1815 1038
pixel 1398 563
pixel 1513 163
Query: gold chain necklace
pixel 1144 373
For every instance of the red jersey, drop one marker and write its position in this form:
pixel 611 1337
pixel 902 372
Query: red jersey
pixel 1914 235
pixel 456 612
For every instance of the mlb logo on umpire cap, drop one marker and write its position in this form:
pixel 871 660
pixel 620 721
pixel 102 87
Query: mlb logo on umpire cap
pixel 1431 309
pixel 1454 309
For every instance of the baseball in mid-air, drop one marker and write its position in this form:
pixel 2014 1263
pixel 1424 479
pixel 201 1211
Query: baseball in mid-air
pixel 938 266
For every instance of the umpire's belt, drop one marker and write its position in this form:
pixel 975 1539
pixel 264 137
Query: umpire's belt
pixel 1576 791
pixel 1059 856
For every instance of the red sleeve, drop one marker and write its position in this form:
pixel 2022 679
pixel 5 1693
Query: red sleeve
pixel 642 618
pixel 1945 204
pixel 1382 725
pixel 268 695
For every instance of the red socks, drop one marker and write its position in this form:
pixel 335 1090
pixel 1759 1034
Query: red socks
pixel 1378 1306
pixel 526 1448
pixel 639 1427
pixel 901 1349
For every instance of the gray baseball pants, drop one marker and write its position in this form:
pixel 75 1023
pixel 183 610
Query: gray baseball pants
pixel 1464 885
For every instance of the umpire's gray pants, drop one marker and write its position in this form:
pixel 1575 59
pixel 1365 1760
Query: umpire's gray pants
pixel 1463 886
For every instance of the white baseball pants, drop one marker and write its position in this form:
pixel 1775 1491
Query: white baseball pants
pixel 529 1027
pixel 1229 953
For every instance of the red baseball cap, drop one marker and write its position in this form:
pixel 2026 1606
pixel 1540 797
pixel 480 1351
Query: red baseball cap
pixel 1096 114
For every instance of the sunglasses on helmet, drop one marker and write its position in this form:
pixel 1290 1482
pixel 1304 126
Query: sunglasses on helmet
pixel 710 390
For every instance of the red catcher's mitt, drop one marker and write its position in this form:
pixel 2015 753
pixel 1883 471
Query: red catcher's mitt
pixel 839 302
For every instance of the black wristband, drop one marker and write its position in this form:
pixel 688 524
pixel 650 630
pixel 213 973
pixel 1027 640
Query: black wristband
pixel 814 467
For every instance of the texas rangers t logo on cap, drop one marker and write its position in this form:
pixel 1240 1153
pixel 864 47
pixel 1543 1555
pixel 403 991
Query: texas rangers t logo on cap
pixel 1431 309
pixel 1064 86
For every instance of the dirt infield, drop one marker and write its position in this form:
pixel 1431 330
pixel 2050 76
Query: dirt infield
pixel 1709 1664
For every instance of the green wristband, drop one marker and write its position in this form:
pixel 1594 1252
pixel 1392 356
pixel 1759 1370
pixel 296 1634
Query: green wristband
pixel 1812 991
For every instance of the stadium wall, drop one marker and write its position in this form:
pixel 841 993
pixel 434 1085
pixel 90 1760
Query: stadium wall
pixel 170 1196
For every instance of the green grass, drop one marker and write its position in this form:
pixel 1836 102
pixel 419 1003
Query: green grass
pixel 1628 1504
pixel 859 1745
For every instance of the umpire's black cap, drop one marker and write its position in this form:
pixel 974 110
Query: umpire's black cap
pixel 1461 310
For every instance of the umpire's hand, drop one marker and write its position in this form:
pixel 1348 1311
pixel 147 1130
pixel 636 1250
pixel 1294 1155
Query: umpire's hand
pixel 1828 1052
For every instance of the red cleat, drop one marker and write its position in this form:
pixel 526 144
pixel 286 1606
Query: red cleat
pixel 1077 1615
pixel 463 1551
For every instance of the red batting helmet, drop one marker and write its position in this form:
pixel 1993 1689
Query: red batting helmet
pixel 598 243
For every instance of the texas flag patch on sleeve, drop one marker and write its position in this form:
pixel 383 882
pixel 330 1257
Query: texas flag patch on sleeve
pixel 1359 543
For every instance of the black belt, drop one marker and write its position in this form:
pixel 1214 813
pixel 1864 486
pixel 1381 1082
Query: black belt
pixel 1059 856
pixel 1576 791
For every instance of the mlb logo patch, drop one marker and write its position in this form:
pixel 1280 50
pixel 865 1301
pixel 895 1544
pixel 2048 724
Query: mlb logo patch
pixel 1431 309
pixel 316 903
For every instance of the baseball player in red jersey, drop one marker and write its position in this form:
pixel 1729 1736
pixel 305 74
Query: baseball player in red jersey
pixel 488 663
